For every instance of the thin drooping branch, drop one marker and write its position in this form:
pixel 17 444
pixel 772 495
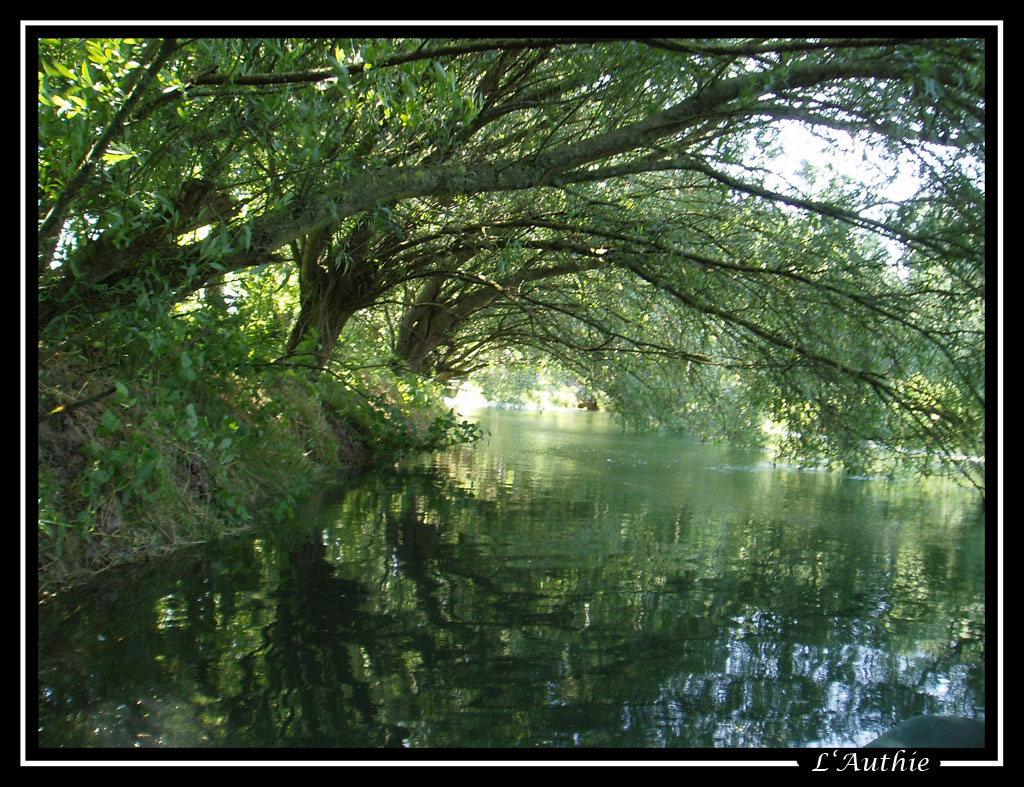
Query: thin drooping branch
pixel 822 208
pixel 637 266
pixel 467 47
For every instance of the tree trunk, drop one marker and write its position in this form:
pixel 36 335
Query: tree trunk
pixel 424 326
pixel 331 292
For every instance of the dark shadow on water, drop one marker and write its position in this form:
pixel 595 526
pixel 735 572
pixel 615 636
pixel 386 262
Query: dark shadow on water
pixel 478 600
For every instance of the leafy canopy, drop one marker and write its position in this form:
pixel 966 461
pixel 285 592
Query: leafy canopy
pixel 616 207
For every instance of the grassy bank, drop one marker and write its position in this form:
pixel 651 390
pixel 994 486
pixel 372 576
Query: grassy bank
pixel 129 474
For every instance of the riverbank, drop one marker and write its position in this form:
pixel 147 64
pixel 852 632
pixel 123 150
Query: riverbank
pixel 128 477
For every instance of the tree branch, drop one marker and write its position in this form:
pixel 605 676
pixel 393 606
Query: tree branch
pixel 49 230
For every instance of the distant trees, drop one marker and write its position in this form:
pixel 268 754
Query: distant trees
pixel 610 204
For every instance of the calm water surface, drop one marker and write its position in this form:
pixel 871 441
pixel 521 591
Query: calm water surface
pixel 559 584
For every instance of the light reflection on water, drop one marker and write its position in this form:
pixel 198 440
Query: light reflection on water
pixel 559 584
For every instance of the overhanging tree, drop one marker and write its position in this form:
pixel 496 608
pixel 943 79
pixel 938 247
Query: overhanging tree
pixel 608 202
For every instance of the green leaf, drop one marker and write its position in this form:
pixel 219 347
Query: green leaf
pixel 145 470
pixel 339 71
pixel 113 155
pixel 111 423
pixel 95 54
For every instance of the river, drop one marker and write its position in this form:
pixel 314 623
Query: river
pixel 559 584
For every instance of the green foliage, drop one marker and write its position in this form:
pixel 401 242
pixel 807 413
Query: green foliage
pixel 395 414
pixel 516 379
pixel 251 248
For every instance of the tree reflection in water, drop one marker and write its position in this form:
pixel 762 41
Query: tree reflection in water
pixel 442 605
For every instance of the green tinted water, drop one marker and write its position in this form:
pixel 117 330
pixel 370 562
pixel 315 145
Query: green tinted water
pixel 559 584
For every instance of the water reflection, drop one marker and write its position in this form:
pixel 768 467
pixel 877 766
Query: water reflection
pixel 561 584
